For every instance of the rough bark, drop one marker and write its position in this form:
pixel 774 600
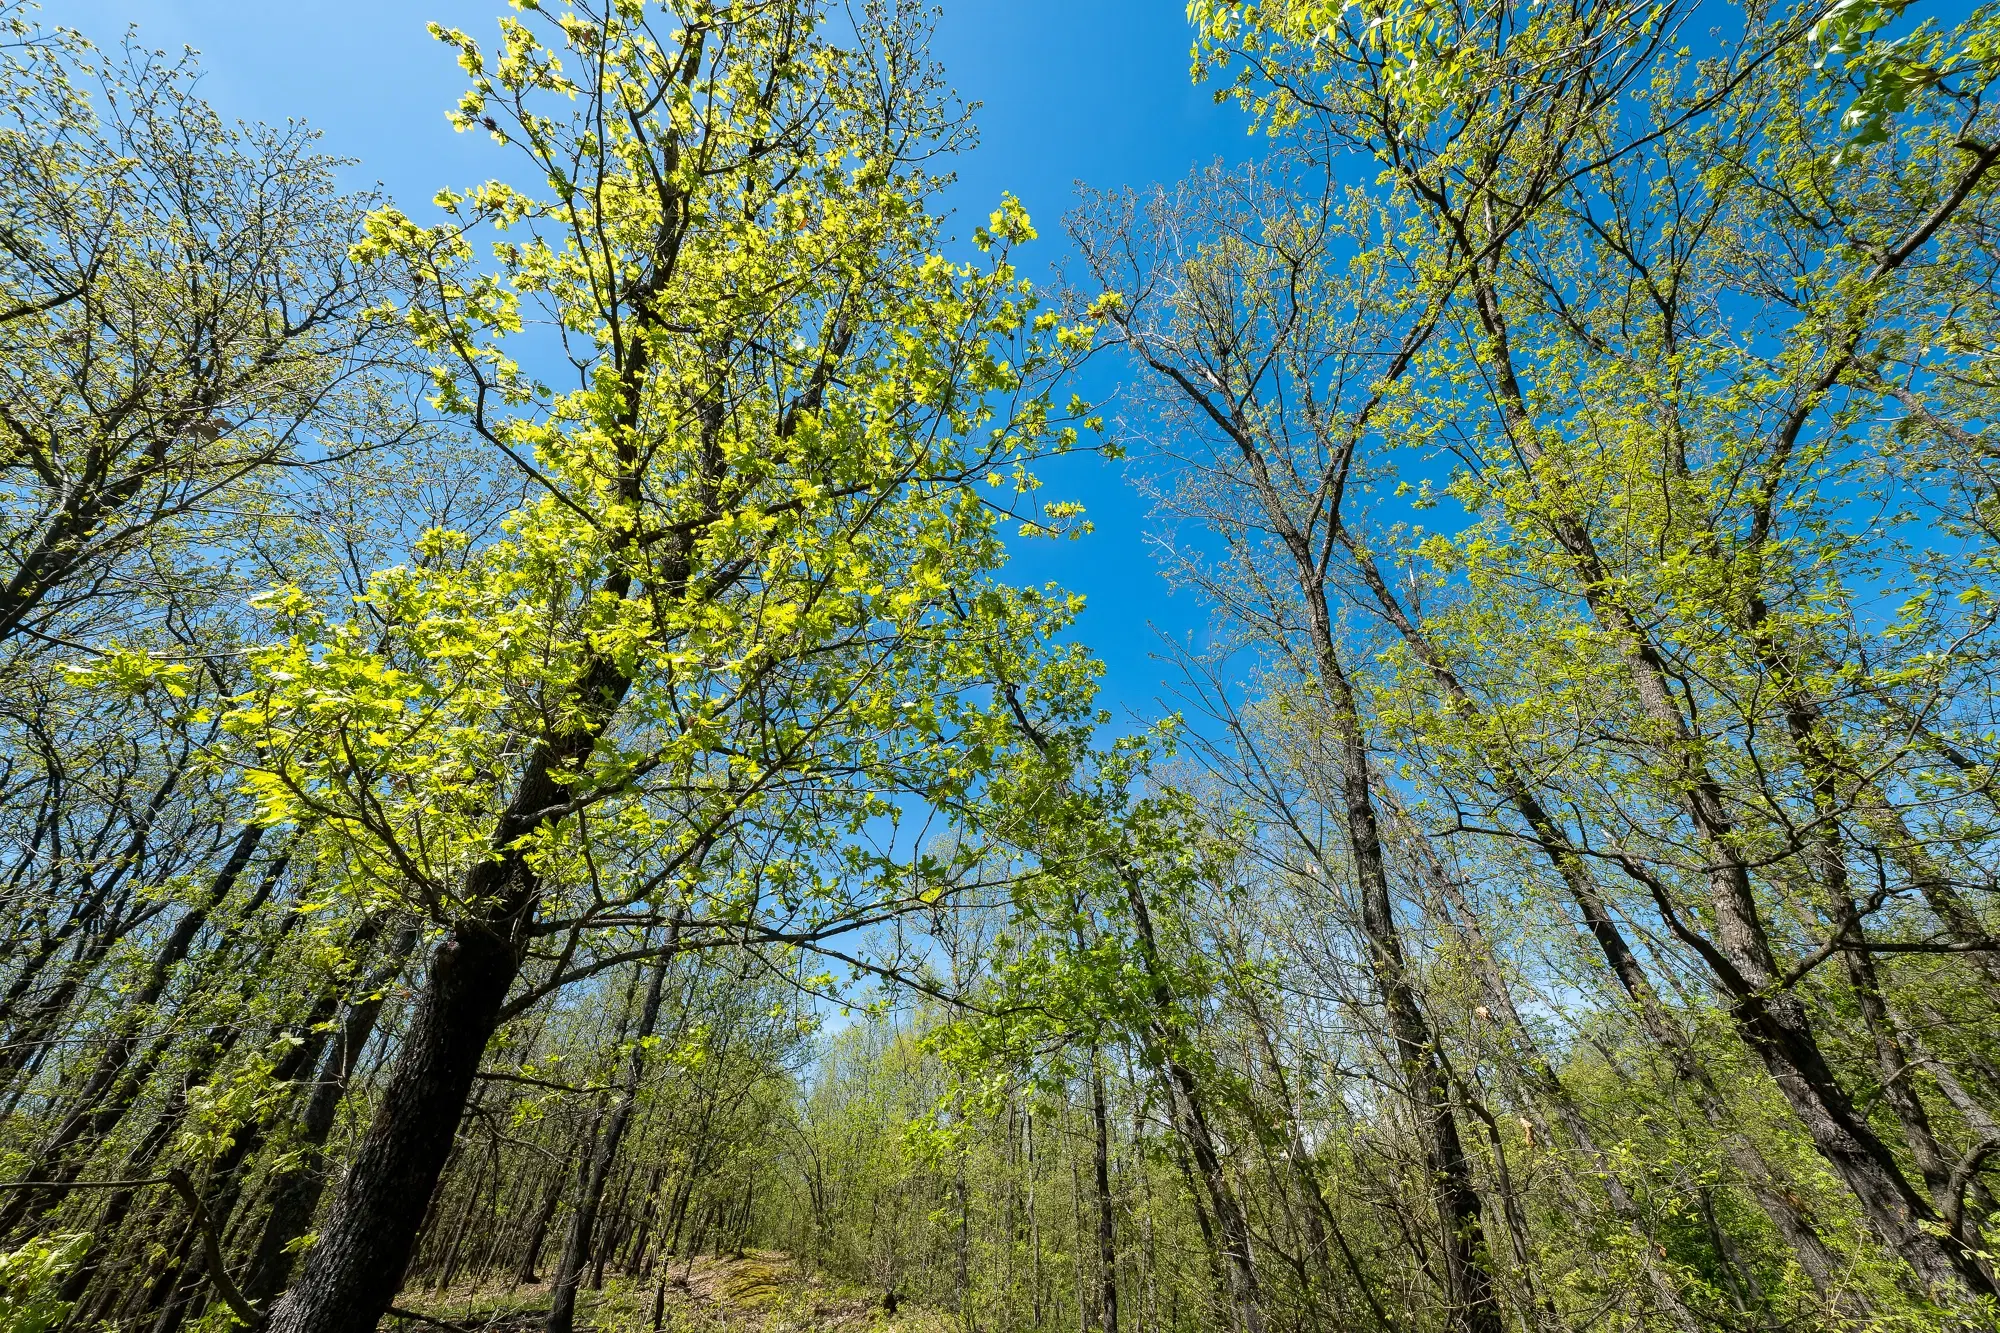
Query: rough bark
pixel 353 1271
pixel 296 1195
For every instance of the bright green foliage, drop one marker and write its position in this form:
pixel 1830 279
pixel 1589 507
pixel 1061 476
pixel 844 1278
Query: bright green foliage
pixel 1572 906
pixel 182 330
pixel 1688 344
pixel 30 1280
pixel 1891 71
pixel 763 515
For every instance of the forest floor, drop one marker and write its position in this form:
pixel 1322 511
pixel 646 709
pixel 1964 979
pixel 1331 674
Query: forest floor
pixel 764 1291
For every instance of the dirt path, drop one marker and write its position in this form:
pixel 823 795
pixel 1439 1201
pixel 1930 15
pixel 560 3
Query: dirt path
pixel 761 1292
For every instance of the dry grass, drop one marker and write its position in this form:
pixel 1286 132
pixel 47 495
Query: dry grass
pixel 761 1292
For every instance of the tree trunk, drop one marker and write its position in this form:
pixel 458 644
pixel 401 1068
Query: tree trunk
pixel 1107 1240
pixel 1772 1020
pixel 1191 1122
pixel 1468 1280
pixel 296 1195
pixel 562 1310
pixel 1321 1225
pixel 354 1270
pixel 1555 845
pixel 636 1256
pixel 538 1233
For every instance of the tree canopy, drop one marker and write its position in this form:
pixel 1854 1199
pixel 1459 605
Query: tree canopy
pixel 532 797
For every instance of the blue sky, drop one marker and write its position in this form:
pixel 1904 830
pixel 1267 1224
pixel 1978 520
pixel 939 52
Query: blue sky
pixel 1072 90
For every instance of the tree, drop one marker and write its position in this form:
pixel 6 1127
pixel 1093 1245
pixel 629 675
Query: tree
pixel 1642 266
pixel 746 617
pixel 185 331
pixel 1231 347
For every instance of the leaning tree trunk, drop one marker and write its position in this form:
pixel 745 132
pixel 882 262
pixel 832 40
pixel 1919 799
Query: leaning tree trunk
pixel 1468 1282
pixel 296 1195
pixel 355 1269
pixel 1798 1230
pixel 538 1230
pixel 1772 1020
pixel 1322 1227
pixel 125 1064
pixel 353 1272
pixel 1238 1259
